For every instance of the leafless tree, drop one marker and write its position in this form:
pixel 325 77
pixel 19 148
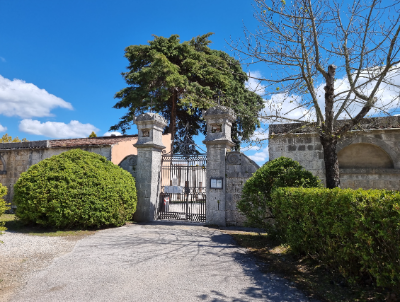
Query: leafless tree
pixel 305 44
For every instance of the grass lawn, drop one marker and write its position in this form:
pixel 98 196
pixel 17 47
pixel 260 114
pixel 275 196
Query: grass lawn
pixel 310 276
pixel 13 224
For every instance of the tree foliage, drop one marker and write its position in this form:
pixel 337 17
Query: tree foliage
pixel 307 44
pixel 356 232
pixel 179 80
pixel 3 206
pixel 8 139
pixel 75 189
pixel 93 134
pixel 256 200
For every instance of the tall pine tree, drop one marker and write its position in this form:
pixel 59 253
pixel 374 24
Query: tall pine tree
pixel 180 80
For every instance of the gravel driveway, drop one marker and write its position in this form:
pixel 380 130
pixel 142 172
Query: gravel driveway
pixel 22 255
pixel 156 262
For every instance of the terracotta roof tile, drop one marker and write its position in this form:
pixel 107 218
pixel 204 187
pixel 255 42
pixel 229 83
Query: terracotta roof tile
pixel 74 142
pixel 92 141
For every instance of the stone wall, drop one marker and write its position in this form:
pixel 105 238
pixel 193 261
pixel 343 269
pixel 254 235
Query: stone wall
pixel 239 168
pixel 16 161
pixel 368 159
pixel 148 164
pixel 129 164
pixel 304 148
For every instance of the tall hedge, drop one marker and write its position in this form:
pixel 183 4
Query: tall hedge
pixel 255 202
pixel 357 231
pixel 3 206
pixel 75 189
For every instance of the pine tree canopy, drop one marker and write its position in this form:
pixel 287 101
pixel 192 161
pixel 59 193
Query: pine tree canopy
pixel 180 80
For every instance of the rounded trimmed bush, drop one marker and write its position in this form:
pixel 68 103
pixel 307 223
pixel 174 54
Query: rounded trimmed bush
pixel 256 193
pixel 3 206
pixel 75 189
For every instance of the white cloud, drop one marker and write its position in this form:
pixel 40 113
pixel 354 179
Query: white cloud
pixel 260 135
pixel 18 98
pixel 287 106
pixel 291 106
pixel 260 157
pixel 2 59
pixel 74 129
pixel 2 129
pixel 254 84
pixel 108 133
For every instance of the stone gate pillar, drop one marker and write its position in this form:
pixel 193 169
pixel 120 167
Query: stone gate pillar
pixel 149 147
pixel 218 140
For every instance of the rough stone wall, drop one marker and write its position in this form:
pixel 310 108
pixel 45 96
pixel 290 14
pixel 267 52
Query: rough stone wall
pixel 307 150
pixel 147 183
pixel 216 207
pixel 370 179
pixel 148 165
pixel 239 168
pixel 19 160
pixel 304 148
pixel 129 163
pixel 218 141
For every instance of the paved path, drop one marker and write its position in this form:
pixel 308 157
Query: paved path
pixel 156 262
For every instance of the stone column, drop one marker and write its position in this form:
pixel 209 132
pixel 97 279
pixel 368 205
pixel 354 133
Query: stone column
pixel 218 141
pixel 149 147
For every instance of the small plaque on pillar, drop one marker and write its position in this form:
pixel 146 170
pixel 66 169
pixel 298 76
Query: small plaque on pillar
pixel 146 132
pixel 216 183
pixel 216 128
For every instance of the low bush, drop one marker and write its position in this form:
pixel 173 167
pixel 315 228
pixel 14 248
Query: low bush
pixel 75 189
pixel 355 231
pixel 3 206
pixel 256 194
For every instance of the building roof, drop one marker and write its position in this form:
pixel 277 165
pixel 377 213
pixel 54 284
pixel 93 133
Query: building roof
pixel 375 123
pixel 91 141
pixel 68 143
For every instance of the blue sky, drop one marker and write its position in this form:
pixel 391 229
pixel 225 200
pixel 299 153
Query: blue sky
pixel 61 61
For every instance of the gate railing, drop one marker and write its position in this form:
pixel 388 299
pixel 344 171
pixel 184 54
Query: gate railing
pixel 183 187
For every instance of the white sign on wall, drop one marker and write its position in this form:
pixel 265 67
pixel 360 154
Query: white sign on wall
pixel 216 183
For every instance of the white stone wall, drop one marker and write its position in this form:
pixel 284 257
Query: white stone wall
pixel 304 148
pixel 307 150
pixel 148 165
pixel 19 160
pixel 239 168
pixel 215 208
pixel 147 183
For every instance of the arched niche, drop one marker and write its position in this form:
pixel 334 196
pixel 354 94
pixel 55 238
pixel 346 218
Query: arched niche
pixel 362 156
pixel 129 164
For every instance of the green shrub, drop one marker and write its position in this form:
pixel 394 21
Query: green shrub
pixel 256 193
pixel 356 231
pixel 3 206
pixel 75 189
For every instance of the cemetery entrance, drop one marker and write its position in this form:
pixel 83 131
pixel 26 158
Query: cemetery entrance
pixel 183 187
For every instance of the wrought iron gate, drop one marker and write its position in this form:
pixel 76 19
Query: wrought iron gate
pixel 183 187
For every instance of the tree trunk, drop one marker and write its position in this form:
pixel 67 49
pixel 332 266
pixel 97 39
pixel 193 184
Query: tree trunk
pixel 173 119
pixel 328 137
pixel 331 162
